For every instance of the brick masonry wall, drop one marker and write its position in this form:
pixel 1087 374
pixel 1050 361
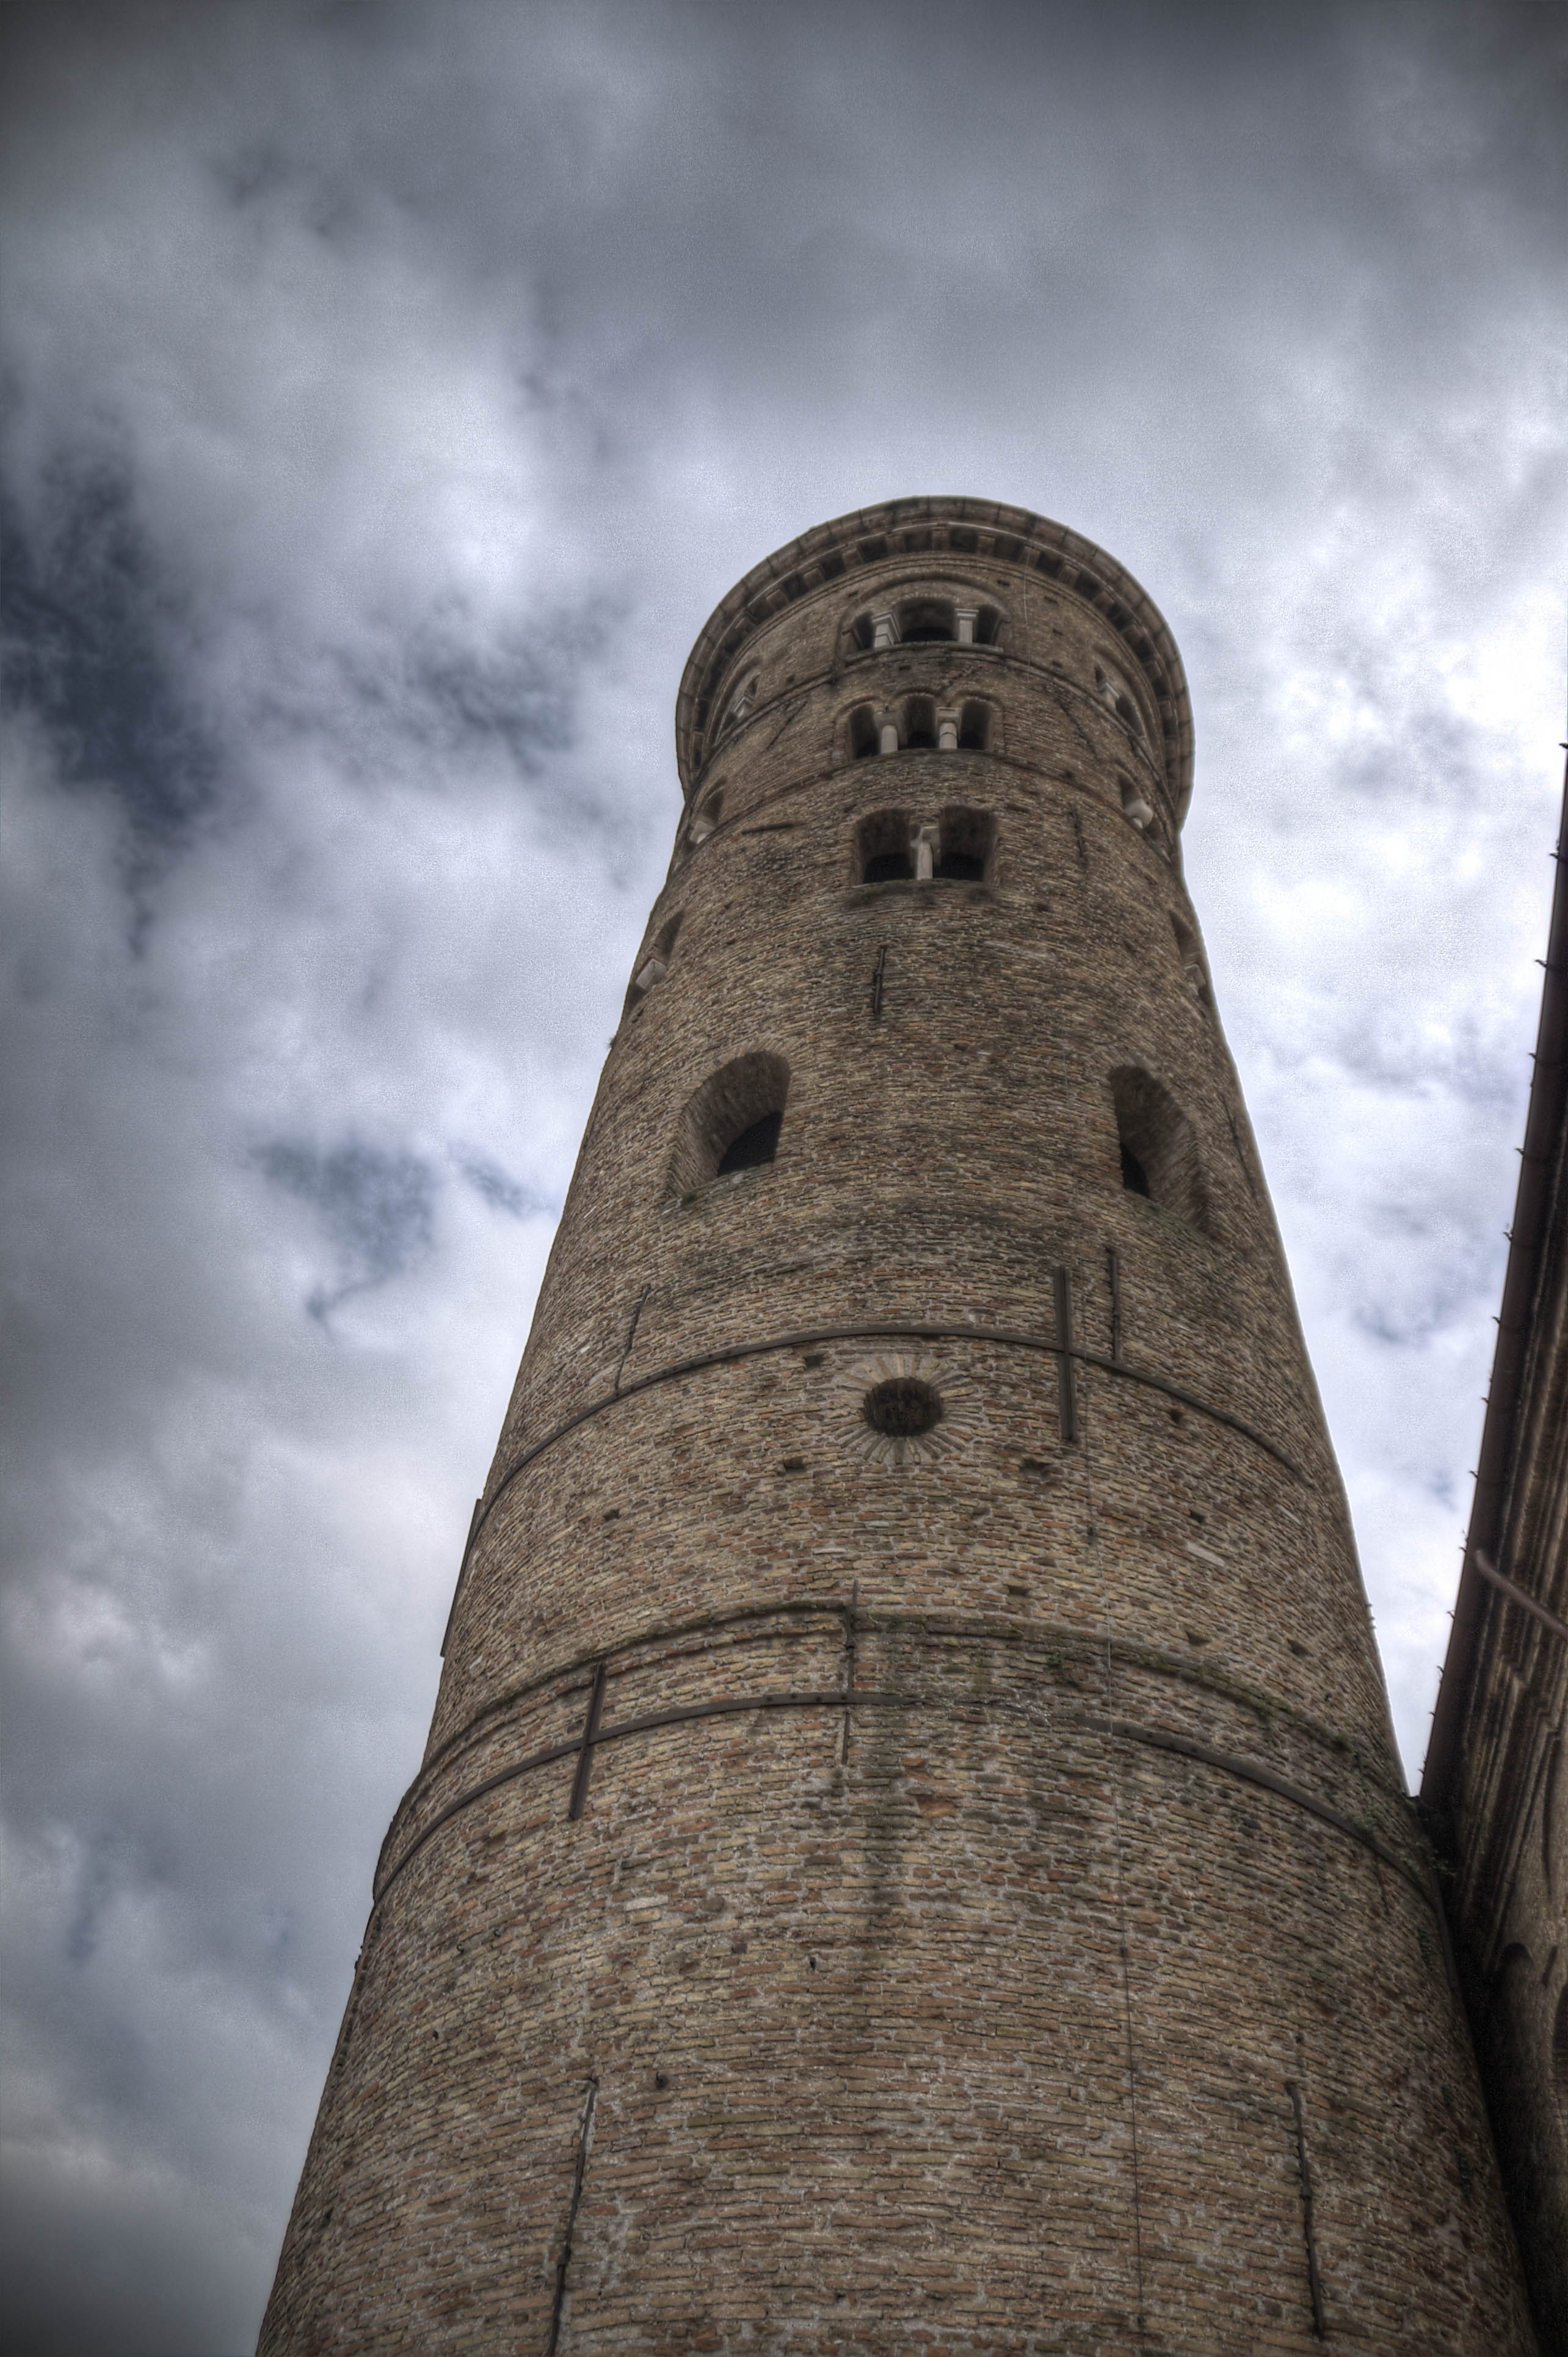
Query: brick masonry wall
pixel 985 1832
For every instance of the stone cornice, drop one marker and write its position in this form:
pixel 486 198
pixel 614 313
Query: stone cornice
pixel 874 537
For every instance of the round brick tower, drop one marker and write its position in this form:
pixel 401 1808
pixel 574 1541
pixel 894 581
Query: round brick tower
pixel 912 1852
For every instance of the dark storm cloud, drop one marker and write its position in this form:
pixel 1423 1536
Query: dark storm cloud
pixel 390 392
pixel 95 650
pixel 378 1210
pixel 498 1188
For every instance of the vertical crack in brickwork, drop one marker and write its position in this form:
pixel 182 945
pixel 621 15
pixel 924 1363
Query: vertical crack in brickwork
pixel 584 2137
pixel 1304 2170
pixel 1115 1753
pixel 876 983
pixel 1114 1271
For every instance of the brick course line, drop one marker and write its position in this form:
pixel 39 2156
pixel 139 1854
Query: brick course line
pixel 1254 1772
pixel 1049 1636
pixel 841 1698
pixel 728 1706
pixel 912 1330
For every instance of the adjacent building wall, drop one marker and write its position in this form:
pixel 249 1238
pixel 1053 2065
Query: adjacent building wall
pixel 1496 1784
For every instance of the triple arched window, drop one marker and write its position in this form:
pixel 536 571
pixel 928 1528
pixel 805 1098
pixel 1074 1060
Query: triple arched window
pixel 921 724
pixel 925 621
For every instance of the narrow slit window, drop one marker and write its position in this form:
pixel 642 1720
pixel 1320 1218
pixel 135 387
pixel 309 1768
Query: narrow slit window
pixel 862 732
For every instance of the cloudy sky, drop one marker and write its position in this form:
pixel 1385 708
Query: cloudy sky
pixel 390 390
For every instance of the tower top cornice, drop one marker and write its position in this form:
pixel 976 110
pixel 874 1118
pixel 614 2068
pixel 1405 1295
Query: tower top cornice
pixel 899 531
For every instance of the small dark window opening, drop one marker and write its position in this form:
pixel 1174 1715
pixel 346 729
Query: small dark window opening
pixel 987 624
pixel 927 621
pixel 966 839
pixel 973 729
pixel 864 739
pixel 732 1123
pixel 920 724
pixel 902 1407
pixel 1134 1178
pixel 961 867
pixel 754 1147
pixel 1158 1150
pixel 861 631
pixel 883 850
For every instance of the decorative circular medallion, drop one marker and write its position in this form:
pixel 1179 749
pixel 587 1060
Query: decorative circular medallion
pixel 903 1407
pixel 896 1411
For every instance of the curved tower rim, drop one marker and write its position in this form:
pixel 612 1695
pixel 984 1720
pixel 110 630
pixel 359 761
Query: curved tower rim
pixel 1017 536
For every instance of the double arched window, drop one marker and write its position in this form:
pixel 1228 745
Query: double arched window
pixel 1115 694
pixel 654 963
pixel 1193 972
pixel 892 846
pixel 740 703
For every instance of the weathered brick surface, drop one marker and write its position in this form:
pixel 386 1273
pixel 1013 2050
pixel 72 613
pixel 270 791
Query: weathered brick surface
pixel 951 2001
